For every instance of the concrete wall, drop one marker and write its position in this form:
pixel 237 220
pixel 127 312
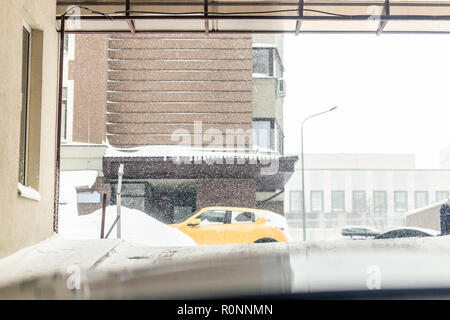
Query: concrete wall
pixel 23 221
pixel 82 157
pixel 428 217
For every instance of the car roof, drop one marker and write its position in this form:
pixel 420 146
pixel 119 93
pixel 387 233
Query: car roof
pixel 234 209
pixel 424 230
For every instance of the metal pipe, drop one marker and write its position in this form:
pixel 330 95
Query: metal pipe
pixel 254 32
pixel 102 228
pixel 264 17
pixel 252 4
pixel 58 128
pixel 119 200
pixel 303 170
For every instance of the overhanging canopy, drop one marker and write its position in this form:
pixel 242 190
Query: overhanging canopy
pixel 326 16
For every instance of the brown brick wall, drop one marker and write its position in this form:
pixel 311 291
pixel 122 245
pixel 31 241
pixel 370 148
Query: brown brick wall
pixel 226 192
pixel 88 70
pixel 159 83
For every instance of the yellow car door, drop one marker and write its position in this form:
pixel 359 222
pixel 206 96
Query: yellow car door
pixel 210 229
pixel 240 227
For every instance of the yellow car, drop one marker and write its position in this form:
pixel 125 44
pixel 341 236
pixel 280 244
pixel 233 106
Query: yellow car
pixel 232 225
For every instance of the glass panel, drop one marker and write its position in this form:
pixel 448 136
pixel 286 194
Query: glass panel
pixel 295 201
pixel 316 201
pixel 181 213
pixel 379 202
pixel 261 133
pixel 89 197
pixel 242 217
pixel 212 217
pixel 338 201
pixel 261 58
pixel 359 202
pixel 421 199
pixel 442 195
pixel 133 189
pixel 401 201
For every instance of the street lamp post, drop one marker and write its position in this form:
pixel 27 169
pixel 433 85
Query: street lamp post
pixel 303 170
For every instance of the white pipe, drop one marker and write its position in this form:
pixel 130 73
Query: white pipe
pixel 119 189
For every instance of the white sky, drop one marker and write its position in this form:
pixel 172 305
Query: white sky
pixel 392 93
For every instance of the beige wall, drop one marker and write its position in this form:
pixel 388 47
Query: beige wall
pixel 80 156
pixel 23 221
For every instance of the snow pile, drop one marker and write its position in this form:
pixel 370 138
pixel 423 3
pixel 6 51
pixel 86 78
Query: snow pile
pixel 137 228
pixel 71 179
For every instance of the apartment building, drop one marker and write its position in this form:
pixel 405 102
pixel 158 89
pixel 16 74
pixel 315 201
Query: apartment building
pixel 28 91
pixel 214 101
pixel 375 190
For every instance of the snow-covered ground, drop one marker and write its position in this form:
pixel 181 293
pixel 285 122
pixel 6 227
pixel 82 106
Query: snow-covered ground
pixel 137 228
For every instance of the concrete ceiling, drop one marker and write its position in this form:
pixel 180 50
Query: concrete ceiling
pixel 255 16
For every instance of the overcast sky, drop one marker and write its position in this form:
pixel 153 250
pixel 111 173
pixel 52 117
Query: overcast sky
pixel 392 93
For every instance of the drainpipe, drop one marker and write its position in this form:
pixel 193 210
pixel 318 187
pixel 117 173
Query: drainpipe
pixel 58 123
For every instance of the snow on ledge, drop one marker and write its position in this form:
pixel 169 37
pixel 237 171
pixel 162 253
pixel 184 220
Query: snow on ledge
pixel 28 192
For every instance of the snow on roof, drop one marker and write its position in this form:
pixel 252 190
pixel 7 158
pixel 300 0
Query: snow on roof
pixel 264 45
pixel 261 75
pixel 176 151
pixel 429 231
pixel 436 205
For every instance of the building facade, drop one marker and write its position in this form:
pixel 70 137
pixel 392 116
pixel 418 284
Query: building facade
pixel 376 190
pixel 214 100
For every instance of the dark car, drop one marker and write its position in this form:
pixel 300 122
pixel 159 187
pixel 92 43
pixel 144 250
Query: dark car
pixel 408 232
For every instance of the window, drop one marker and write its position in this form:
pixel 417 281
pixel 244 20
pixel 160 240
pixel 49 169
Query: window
pixel 262 133
pixel 441 196
pixel 401 201
pixel 379 202
pixel 316 201
pixel 267 133
pixel 421 199
pixel 66 43
pixel 267 61
pixel 295 201
pixel 359 202
pixel 212 217
pixel 279 138
pixel 89 197
pixel 133 195
pixel 26 38
pixel 261 61
pixel 64 114
pixel 338 201
pixel 242 217
pixel 30 108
